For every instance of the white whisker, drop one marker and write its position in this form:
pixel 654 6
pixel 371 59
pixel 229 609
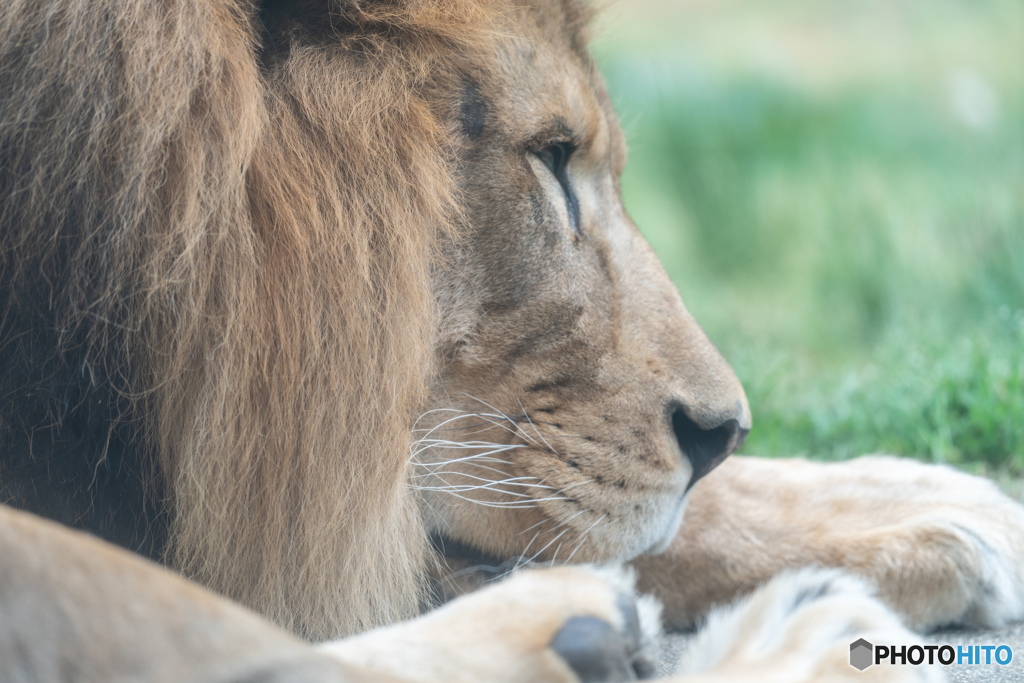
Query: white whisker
pixel 566 521
pixel 437 474
pixel 583 537
pixel 538 553
pixel 527 548
pixel 537 431
pixel 492 448
pixel 534 526
pixel 510 505
pixel 579 544
pixel 461 416
pixel 514 481
pixel 518 428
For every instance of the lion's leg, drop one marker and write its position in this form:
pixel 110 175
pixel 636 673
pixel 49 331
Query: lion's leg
pixel 567 624
pixel 73 608
pixel 799 628
pixel 943 547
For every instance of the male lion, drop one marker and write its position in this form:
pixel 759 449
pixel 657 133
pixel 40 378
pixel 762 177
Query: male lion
pixel 332 306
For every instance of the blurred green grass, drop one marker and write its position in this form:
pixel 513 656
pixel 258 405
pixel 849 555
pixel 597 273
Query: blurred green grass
pixel 837 188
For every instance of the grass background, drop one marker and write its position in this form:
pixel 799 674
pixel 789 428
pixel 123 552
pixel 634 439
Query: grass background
pixel 837 188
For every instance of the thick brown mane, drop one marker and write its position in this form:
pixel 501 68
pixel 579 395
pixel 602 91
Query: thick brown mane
pixel 240 249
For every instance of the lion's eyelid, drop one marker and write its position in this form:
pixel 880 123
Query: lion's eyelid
pixel 558 164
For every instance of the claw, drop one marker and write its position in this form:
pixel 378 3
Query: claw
pixel 597 653
pixel 593 650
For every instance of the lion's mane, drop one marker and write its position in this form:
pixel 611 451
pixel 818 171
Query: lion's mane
pixel 241 248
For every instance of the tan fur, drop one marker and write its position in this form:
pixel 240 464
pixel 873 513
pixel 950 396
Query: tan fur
pixel 72 607
pixel 253 234
pixel 282 265
pixel 75 609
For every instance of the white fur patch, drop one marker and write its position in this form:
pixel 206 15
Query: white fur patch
pixel 798 627
pixel 648 607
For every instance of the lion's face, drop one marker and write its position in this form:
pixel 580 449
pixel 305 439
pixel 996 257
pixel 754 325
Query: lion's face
pixel 563 342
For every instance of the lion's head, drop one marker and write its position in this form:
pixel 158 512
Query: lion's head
pixel 255 257
pixel 561 335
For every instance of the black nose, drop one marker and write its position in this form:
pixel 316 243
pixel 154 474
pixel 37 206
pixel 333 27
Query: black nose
pixel 706 448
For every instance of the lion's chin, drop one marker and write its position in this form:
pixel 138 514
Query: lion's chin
pixel 676 521
pixel 461 556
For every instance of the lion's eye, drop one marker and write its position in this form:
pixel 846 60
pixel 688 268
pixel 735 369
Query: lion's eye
pixel 556 158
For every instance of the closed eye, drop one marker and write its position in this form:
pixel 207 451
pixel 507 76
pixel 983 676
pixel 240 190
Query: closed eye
pixel 556 157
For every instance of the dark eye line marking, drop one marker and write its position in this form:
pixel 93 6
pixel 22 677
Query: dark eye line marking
pixel 555 156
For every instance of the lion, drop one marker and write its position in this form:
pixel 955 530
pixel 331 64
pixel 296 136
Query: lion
pixel 333 308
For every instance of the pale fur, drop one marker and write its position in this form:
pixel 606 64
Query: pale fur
pixel 464 642
pixel 71 605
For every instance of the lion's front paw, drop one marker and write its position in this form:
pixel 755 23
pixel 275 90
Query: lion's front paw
pixel 942 547
pixel 799 628
pixel 947 548
pixel 565 624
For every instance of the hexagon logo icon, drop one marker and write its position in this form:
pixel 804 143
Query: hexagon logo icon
pixel 861 652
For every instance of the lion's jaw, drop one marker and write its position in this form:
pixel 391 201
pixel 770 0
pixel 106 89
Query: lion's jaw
pixel 564 345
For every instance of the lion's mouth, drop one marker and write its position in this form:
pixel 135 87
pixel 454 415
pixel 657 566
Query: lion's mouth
pixel 461 558
pixel 457 551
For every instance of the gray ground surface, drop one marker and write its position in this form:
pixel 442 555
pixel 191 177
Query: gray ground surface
pixel 675 644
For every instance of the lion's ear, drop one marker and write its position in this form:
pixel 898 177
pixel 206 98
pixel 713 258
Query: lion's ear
pixel 282 21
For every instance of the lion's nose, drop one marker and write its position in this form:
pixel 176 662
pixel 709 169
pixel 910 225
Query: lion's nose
pixel 707 447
